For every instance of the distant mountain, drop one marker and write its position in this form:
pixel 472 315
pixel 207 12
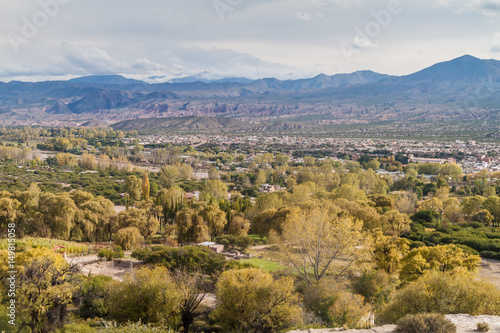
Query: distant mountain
pixel 466 88
pixel 464 70
pixel 106 79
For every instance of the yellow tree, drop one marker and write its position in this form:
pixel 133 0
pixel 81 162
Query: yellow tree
pixel 250 300
pixel 145 186
pixel 313 239
pixel 444 258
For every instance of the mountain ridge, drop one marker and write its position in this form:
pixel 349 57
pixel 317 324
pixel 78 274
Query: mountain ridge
pixel 462 88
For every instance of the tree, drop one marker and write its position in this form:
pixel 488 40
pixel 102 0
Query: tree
pixel 56 216
pixel 214 218
pixel 388 252
pixel 96 220
pixel 9 210
pixel 92 293
pixel 492 204
pixel 472 205
pixel 444 258
pixel 149 295
pixel 431 204
pixel 191 228
pixel 193 291
pixel 260 177
pixel 128 238
pixel 43 291
pixel 312 239
pixel 238 226
pixel 395 223
pixel 145 186
pixel 250 300
pixel 140 218
pixel 133 187
pixel 216 189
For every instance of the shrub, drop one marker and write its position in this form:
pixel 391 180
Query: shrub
pixel 425 323
pixel 92 294
pixel 251 300
pixel 109 255
pixel 490 255
pixel 128 238
pixel 235 242
pixel 438 292
pixel 483 327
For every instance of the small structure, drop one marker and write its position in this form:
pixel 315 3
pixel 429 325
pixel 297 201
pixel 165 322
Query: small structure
pixel 60 249
pixel 266 188
pixel 217 248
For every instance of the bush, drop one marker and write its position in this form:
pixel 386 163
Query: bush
pixel 438 292
pixel 490 255
pixel 109 255
pixel 128 238
pixel 483 327
pixel 425 323
pixel 240 243
pixel 92 295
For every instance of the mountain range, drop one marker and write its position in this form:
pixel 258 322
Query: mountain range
pixel 466 88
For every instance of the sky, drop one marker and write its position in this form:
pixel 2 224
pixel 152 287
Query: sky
pixel 158 40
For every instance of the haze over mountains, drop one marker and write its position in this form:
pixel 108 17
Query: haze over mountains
pixel 461 89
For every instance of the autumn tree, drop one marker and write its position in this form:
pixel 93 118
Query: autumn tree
pixel 215 188
pixel 388 251
pixel 444 258
pixel 214 218
pixel 140 218
pixel 191 227
pixel 128 238
pixel 43 291
pixel 312 239
pixel 251 300
pixel 56 216
pixel 394 222
pixel 145 186
pixel 238 226
pixel 133 187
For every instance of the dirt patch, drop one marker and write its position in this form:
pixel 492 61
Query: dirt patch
pixel 490 269
pixel 465 324
pixel 115 269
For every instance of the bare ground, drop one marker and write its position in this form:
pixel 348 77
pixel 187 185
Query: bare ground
pixel 465 324
pixel 490 269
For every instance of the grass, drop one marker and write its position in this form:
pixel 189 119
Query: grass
pixel 32 242
pixel 266 265
pixel 258 240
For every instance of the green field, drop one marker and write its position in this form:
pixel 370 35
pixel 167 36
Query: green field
pixel 267 265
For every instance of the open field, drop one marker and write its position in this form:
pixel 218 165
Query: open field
pixel 267 265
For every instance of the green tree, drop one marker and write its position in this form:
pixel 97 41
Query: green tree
pixel 148 295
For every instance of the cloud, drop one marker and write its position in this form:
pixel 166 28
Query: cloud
pixel 489 8
pixel 496 42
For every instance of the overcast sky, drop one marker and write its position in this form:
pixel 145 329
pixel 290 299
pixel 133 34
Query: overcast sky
pixel 239 38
